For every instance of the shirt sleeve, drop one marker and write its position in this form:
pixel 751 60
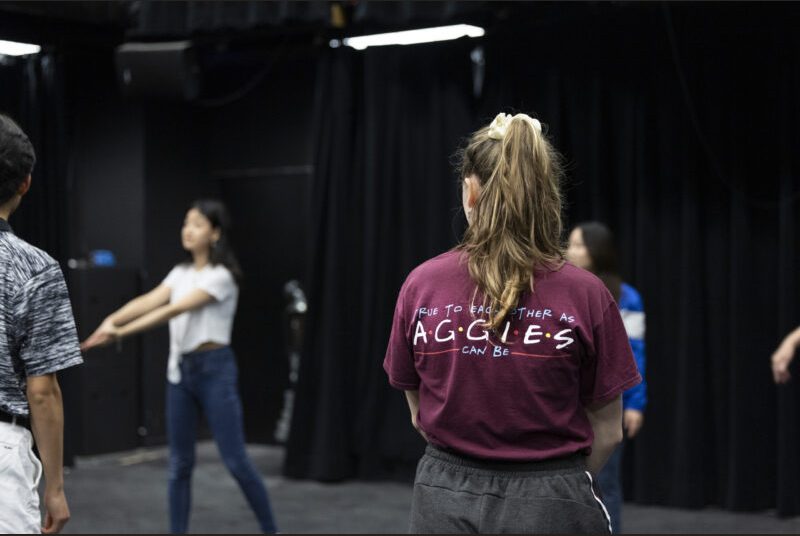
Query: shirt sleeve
pixel 47 338
pixel 612 369
pixel 172 276
pixel 219 283
pixel 399 360
pixel 633 316
pixel 636 396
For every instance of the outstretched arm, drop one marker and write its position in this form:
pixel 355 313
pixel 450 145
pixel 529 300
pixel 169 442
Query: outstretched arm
pixel 141 305
pixel 194 300
pixel 161 315
pixel 132 310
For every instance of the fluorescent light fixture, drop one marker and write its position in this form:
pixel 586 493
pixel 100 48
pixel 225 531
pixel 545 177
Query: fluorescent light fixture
pixel 12 48
pixel 412 37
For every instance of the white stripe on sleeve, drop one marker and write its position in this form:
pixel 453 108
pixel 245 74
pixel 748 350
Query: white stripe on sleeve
pixel 634 323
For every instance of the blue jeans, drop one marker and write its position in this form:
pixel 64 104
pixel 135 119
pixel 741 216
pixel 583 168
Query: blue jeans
pixel 209 384
pixel 610 479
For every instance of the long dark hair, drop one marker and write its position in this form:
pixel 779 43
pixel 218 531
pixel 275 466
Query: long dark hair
pixel 599 242
pixel 221 252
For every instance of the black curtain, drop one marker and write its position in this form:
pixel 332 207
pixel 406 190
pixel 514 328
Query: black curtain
pixel 680 133
pixel 32 93
pixel 384 198
pixel 682 144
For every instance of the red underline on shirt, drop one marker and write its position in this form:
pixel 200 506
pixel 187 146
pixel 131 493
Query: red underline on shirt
pixel 511 353
pixel 437 353
pixel 541 356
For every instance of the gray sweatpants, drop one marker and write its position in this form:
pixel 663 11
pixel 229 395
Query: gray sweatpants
pixel 454 494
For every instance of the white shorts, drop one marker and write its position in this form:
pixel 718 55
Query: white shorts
pixel 20 472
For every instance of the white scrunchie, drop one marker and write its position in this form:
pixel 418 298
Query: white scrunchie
pixel 499 127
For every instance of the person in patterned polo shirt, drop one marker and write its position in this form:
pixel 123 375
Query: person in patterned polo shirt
pixel 37 339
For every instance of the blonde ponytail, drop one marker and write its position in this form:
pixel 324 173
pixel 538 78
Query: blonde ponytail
pixel 516 221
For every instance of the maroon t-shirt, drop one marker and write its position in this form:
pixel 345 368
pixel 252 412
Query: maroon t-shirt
pixel 517 394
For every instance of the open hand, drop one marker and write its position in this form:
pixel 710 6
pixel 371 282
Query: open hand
pixel 102 336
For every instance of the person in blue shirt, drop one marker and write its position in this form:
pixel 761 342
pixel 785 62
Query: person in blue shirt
pixel 591 247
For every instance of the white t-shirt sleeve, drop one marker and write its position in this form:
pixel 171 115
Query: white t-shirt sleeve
pixel 172 277
pixel 218 282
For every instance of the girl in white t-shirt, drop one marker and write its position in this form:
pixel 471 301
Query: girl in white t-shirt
pixel 198 298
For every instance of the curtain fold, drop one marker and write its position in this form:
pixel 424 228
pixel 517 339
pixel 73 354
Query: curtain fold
pixel 32 93
pixel 384 199
pixel 690 161
pixel 686 145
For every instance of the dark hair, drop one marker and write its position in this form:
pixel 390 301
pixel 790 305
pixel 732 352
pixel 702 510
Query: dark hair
pixel 599 242
pixel 17 157
pixel 221 252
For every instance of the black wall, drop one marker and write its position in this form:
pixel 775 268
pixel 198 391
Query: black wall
pixel 678 123
pixel 135 165
pixel 258 151
pixel 108 163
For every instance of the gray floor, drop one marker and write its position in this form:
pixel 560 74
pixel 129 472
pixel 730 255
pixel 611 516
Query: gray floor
pixel 126 493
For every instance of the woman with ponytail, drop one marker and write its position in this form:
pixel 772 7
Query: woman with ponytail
pixel 198 298
pixel 512 360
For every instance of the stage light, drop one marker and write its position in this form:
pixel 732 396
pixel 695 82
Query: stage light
pixel 413 37
pixel 12 48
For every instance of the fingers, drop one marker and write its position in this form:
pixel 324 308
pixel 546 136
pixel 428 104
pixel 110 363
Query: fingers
pixel 91 340
pixel 54 525
pixel 780 370
pixel 89 343
pixel 48 524
pixel 632 421
pixel 633 429
pixel 781 376
pixel 780 364
pixel 630 428
pixel 56 511
pixel 95 340
pixel 101 336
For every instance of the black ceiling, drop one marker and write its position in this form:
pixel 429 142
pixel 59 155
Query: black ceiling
pixel 108 23
pixel 112 22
